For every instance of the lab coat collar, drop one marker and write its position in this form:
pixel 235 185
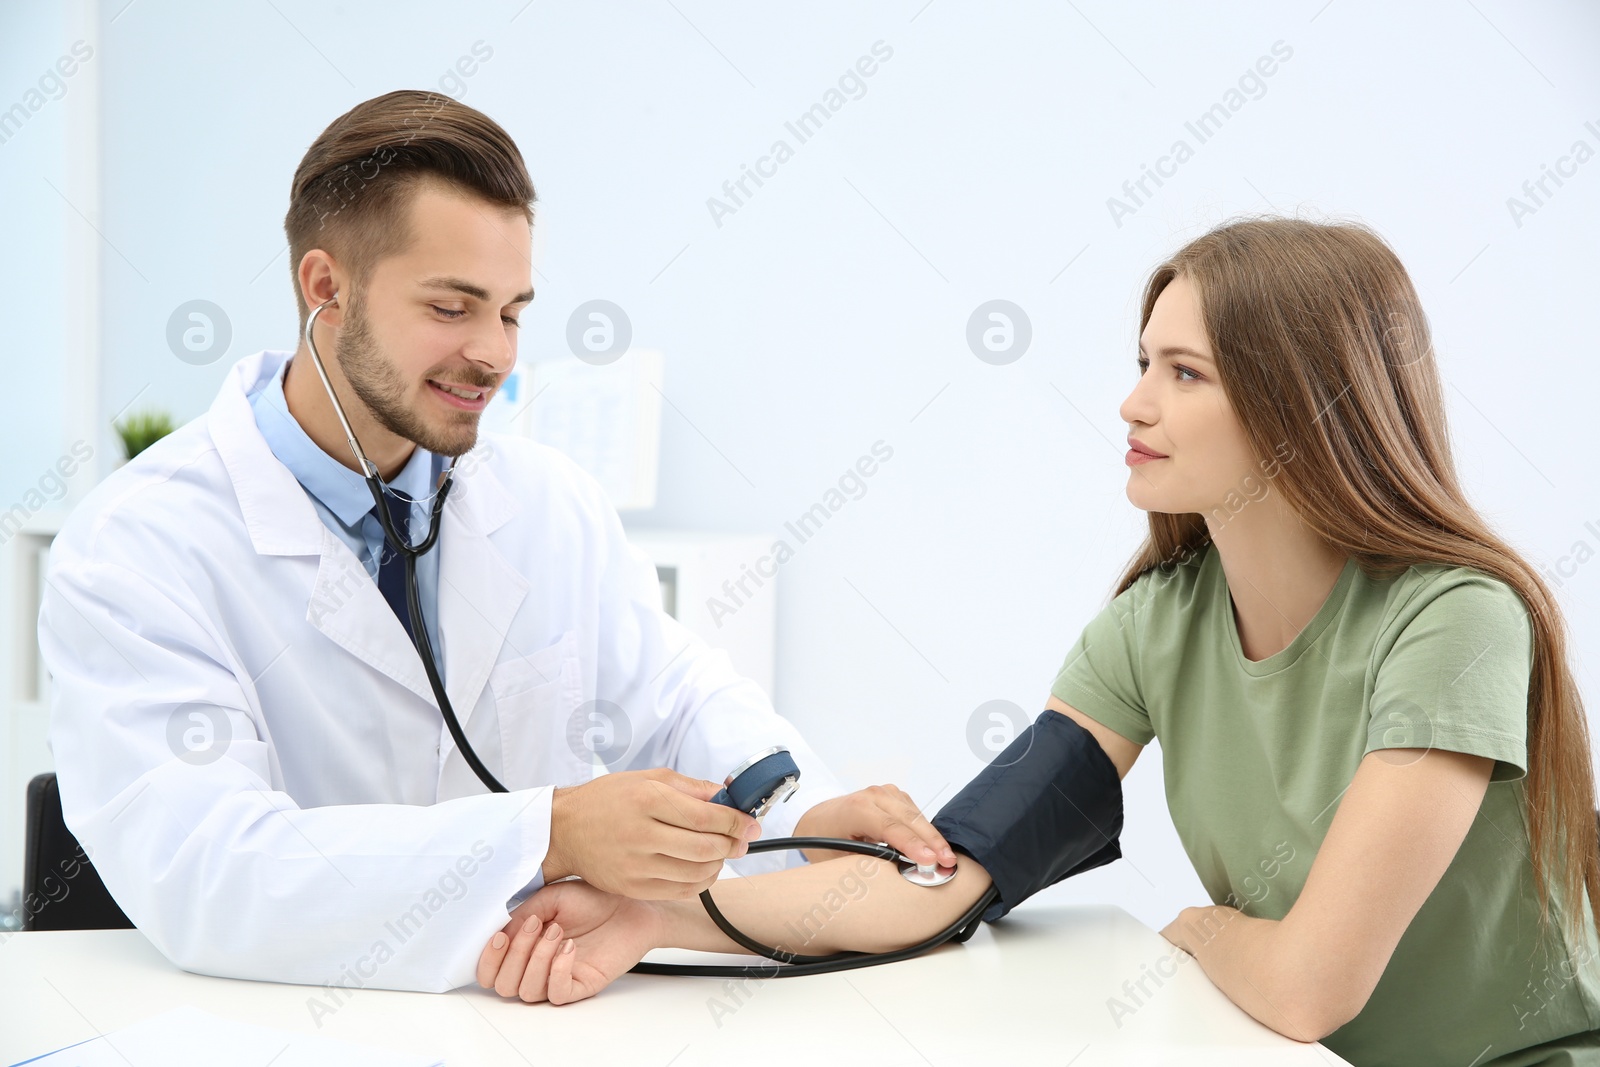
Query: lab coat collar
pixel 277 514
pixel 340 489
pixel 480 592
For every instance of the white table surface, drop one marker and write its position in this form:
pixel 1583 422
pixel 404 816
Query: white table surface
pixel 1034 987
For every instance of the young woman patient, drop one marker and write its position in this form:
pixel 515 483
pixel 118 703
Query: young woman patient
pixel 1375 752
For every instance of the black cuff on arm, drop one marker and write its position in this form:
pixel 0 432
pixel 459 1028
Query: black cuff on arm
pixel 1046 808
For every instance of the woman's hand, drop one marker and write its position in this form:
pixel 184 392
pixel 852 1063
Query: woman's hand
pixel 876 813
pixel 1194 927
pixel 567 942
pixel 1176 932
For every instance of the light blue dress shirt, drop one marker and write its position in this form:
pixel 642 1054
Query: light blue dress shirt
pixel 343 501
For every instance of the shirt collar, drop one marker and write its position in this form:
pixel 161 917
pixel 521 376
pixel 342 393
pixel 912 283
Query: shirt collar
pixel 340 489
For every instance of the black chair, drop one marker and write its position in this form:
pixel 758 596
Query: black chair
pixel 61 890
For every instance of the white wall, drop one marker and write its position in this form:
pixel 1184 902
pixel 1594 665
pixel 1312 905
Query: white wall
pixel 49 184
pixel 828 312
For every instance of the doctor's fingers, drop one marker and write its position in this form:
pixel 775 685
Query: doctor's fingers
pixel 667 870
pixel 699 788
pixel 695 846
pixel 679 809
pixel 907 829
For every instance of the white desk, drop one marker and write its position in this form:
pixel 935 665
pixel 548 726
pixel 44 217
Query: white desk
pixel 1033 989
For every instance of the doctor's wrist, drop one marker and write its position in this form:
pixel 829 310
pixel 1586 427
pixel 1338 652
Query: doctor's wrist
pixel 556 865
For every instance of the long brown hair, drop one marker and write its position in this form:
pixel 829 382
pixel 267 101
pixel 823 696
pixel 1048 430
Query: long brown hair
pixel 1320 342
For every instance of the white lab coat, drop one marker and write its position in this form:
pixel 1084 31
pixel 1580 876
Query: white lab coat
pixel 248 748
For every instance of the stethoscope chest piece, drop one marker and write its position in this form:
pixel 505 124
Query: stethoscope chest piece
pixel 926 874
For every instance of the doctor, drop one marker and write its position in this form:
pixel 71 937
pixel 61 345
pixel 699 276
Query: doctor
pixel 246 742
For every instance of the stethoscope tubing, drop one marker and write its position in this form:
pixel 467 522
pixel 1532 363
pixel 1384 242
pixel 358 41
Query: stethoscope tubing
pixel 794 965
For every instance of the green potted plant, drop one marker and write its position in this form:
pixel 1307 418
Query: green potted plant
pixel 142 429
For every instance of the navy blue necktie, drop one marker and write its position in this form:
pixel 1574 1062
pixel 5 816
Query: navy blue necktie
pixel 391 562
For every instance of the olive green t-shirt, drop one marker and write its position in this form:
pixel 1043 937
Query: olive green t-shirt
pixel 1257 754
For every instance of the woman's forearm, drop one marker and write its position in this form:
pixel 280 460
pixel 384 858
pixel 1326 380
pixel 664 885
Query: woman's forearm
pixel 854 903
pixel 1245 958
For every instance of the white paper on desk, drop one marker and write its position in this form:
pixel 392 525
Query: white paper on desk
pixel 189 1037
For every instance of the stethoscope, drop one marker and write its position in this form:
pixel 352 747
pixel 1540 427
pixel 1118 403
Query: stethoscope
pixel 419 629
pixel 767 778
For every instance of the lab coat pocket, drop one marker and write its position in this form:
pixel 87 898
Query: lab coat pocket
pixel 535 697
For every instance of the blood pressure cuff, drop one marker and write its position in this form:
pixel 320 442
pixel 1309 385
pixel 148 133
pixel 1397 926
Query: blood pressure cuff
pixel 1046 808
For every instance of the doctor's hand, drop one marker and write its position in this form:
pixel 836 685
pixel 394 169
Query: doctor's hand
pixel 652 835
pixel 876 813
pixel 566 942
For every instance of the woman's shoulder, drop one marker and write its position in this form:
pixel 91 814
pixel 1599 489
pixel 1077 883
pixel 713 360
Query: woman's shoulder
pixel 1175 576
pixel 1451 587
pixel 1456 603
pixel 1170 590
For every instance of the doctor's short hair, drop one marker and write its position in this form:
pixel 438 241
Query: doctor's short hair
pixel 353 189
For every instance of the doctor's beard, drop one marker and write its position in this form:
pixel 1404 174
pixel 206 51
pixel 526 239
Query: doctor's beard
pixel 383 390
